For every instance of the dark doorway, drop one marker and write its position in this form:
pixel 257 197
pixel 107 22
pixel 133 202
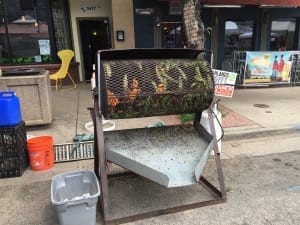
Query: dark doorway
pixel 171 35
pixel 95 35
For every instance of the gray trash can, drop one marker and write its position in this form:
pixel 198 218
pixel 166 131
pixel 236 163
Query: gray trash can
pixel 74 196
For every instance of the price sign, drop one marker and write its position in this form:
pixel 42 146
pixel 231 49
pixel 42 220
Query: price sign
pixel 224 83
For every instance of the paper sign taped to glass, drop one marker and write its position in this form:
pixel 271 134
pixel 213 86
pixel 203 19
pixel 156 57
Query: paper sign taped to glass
pixel 44 47
pixel 224 83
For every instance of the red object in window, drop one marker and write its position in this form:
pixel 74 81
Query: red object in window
pixel 281 64
pixel 275 64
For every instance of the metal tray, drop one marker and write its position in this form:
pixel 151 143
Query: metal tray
pixel 172 156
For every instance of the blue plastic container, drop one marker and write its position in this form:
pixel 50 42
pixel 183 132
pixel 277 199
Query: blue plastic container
pixel 10 110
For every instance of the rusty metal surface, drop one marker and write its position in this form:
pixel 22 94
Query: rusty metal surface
pixel 159 201
pixel 140 87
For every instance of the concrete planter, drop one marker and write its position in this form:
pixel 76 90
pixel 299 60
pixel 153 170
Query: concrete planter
pixel 34 92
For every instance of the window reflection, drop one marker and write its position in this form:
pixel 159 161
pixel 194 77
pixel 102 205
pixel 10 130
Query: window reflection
pixel 282 34
pixel 24 36
pixel 238 36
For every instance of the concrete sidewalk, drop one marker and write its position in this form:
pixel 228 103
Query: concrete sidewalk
pixel 271 109
pixel 251 111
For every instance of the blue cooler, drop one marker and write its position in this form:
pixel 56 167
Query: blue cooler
pixel 10 110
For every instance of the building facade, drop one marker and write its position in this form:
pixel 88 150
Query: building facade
pixel 32 32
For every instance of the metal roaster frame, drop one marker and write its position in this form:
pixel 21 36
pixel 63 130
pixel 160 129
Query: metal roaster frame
pixel 100 162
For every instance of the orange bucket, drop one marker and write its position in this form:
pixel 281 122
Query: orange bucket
pixel 40 151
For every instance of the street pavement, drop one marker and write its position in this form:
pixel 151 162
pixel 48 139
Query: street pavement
pixel 262 188
pixel 260 158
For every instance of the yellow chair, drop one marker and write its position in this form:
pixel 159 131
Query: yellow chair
pixel 65 57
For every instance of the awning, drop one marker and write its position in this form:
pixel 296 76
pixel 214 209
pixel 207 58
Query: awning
pixel 281 3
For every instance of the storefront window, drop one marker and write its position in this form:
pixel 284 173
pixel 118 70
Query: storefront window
pixel 25 31
pixel 61 25
pixel 238 36
pixel 282 34
pixel 24 36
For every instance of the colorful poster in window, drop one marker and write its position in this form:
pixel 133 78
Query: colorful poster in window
pixel 267 67
pixel 224 83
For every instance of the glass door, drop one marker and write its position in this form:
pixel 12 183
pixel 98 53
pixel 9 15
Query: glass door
pixel 282 34
pixel 94 35
pixel 171 35
pixel 238 36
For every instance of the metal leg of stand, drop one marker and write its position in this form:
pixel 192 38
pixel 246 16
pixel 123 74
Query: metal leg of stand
pixel 100 160
pixel 96 157
pixel 216 152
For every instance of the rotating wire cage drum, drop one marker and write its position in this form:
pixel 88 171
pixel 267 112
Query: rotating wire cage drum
pixel 151 82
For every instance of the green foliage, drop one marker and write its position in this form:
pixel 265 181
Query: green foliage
pixel 208 30
pixel 28 60
pixel 4 60
pixel 19 59
pixel 187 117
pixel 174 87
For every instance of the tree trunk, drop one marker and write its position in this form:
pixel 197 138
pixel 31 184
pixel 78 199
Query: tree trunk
pixel 193 25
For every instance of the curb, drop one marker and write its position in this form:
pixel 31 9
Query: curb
pixel 252 133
